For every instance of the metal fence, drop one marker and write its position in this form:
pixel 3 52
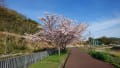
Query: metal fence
pixel 25 61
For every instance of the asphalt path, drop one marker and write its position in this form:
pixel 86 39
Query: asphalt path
pixel 80 59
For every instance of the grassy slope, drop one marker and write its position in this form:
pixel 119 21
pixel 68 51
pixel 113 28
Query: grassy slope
pixel 14 22
pixel 12 26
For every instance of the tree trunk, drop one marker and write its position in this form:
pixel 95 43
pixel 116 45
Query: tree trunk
pixel 64 49
pixel 58 51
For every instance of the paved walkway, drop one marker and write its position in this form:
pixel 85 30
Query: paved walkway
pixel 79 59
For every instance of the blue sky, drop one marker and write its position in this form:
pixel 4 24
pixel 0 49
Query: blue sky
pixel 103 16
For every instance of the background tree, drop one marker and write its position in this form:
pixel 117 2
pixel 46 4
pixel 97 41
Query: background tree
pixel 109 40
pixel 58 30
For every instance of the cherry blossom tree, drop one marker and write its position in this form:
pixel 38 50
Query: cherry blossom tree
pixel 58 30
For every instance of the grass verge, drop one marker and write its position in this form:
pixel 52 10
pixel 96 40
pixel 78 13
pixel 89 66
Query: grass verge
pixel 106 57
pixel 52 61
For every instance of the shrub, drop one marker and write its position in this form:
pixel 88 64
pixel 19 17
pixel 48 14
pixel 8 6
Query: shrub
pixel 101 56
pixel 106 57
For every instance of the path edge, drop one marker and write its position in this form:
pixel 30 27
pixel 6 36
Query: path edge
pixel 62 65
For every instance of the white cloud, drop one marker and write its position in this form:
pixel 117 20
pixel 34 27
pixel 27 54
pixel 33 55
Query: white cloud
pixel 105 28
pixel 113 32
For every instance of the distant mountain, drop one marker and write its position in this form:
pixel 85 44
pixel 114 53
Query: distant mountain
pixel 14 22
pixel 109 40
pixel 114 38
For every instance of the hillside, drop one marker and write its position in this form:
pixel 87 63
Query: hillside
pixel 14 22
pixel 13 25
pixel 109 40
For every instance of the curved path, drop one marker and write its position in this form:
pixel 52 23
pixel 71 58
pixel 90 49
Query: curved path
pixel 79 59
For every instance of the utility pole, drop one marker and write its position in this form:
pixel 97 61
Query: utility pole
pixel 5 43
pixel 89 35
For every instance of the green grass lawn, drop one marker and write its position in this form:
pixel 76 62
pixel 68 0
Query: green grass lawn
pixel 52 61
